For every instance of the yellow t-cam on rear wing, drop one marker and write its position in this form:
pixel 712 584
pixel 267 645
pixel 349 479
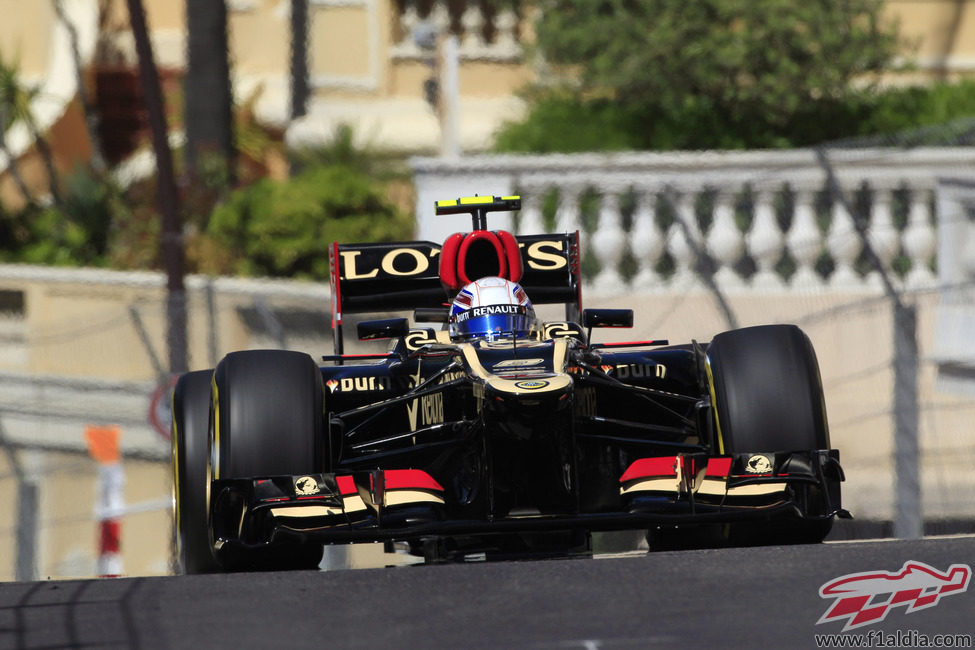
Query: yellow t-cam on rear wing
pixel 478 207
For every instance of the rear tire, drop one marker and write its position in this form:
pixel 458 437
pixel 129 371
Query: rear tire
pixel 191 418
pixel 269 421
pixel 768 397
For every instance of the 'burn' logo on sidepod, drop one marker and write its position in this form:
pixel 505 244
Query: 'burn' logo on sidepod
pixel 866 598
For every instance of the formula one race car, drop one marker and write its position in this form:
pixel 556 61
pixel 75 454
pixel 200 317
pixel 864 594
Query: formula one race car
pixel 486 432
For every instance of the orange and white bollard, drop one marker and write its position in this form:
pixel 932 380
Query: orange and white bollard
pixel 103 446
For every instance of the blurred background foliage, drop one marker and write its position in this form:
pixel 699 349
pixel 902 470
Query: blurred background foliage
pixel 285 229
pixel 242 223
pixel 614 75
pixel 720 74
pixel 337 192
pixel 563 121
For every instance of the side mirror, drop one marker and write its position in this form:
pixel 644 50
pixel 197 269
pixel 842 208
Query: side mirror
pixel 607 318
pixel 388 328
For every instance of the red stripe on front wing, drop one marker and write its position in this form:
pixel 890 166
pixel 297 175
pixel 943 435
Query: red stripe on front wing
pixel 396 479
pixel 667 466
pixel 414 479
pixel 346 484
pixel 650 467
pixel 718 467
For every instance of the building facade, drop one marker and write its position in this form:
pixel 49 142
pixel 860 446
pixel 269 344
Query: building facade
pixel 370 64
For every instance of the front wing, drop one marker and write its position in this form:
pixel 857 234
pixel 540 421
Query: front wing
pixel 407 504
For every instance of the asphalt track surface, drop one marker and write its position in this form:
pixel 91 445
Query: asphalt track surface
pixel 766 597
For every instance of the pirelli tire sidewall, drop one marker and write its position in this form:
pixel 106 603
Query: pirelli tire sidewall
pixel 269 414
pixel 766 390
pixel 191 418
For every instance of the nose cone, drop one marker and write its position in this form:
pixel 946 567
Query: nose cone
pixel 532 388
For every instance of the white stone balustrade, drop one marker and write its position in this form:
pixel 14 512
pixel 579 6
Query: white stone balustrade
pixel 470 22
pixel 765 220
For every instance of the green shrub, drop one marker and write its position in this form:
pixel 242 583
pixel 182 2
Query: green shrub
pixel 725 74
pixel 672 74
pixel 285 229
pixel 77 232
pixel 899 110
pixel 559 122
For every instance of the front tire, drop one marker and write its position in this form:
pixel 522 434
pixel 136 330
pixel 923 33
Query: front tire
pixel 768 397
pixel 268 408
pixel 766 389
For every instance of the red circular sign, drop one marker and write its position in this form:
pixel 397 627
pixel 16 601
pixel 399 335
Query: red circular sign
pixel 161 408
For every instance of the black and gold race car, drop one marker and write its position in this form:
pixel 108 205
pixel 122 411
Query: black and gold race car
pixel 484 431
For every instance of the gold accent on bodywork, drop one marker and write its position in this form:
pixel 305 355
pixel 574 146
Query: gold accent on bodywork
pixel 473 362
pixel 520 386
pixel 714 407
pixel 553 382
pixel 713 486
pixel 559 329
pixel 401 497
pixel 538 259
pixel 305 511
pixel 756 489
pixel 353 503
pixel 664 484
pixel 559 348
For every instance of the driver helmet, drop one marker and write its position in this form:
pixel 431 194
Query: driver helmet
pixel 491 308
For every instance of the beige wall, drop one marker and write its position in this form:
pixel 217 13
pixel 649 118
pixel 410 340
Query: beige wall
pixel 160 14
pixel 84 326
pixel 333 53
pixel 259 42
pixel 25 34
pixel 940 29
pixel 74 329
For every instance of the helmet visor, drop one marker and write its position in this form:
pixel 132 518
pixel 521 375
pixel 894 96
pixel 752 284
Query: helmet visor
pixel 493 321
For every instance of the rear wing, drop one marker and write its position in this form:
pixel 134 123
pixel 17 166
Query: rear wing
pixel 397 276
